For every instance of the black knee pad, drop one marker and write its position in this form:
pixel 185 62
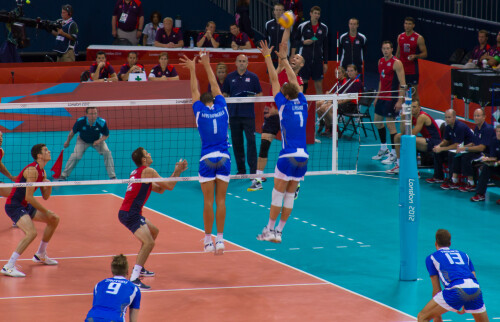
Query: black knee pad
pixel 264 148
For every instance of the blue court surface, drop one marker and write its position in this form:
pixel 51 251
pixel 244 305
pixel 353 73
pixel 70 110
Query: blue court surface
pixel 343 228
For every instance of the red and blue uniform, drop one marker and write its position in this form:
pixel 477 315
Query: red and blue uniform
pixel 137 194
pixel 389 84
pixel 431 133
pixel 16 205
pixel 408 46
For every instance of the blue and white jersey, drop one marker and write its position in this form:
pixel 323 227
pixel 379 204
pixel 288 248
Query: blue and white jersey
pixel 212 122
pixel 453 267
pixel 293 118
pixel 112 296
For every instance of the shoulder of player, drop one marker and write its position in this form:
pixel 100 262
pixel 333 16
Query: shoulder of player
pixel 149 172
pixel 324 26
pixel 302 25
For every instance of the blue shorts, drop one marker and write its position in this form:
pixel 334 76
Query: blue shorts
pixel 132 220
pixel 455 298
pixel 291 168
pixel 211 168
pixel 386 108
pixel 431 143
pixel 411 79
pixel 15 212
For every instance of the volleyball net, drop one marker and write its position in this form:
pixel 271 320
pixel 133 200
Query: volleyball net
pixel 166 128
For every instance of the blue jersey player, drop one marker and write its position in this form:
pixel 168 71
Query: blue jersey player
pixel 212 119
pixel 461 292
pixel 113 295
pixel 292 162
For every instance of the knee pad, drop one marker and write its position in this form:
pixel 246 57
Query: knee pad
pixel 277 198
pixel 264 148
pixel 288 200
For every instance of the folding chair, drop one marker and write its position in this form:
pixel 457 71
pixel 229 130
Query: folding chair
pixel 356 119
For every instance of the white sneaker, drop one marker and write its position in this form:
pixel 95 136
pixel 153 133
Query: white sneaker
pixel 209 247
pixel 277 238
pixel 12 271
pixel 390 159
pixel 267 235
pixel 394 170
pixel 219 247
pixel 44 259
pixel 381 153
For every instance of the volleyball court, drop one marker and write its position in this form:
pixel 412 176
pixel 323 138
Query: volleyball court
pixel 189 284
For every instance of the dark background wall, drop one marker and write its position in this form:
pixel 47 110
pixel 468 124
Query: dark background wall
pixel 378 21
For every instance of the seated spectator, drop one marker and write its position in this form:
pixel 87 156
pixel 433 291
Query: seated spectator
pixel 492 53
pixel 220 74
pixel 462 161
pixel 489 165
pixel 208 38
pixel 131 67
pixel 324 106
pixel 127 20
pixel 151 29
pixel 169 37
pixel 455 134
pixel 240 39
pixel 101 70
pixel 163 71
pixel 479 50
pixel 422 123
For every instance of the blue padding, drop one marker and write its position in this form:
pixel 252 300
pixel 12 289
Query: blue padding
pixel 10 99
pixel 10 125
pixel 59 89
pixel 57 111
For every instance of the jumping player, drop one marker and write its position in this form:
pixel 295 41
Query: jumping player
pixel 130 214
pixel 292 162
pixel 461 289
pixel 23 209
pixel 212 119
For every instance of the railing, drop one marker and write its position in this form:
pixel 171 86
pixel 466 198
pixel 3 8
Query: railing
pixel 260 11
pixel 477 9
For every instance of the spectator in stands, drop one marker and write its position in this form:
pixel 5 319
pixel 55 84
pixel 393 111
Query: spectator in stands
pixel 479 50
pixel 66 36
pixel 240 39
pixel 462 161
pixel 169 37
pixel 151 29
pixel 352 46
pixel 220 75
pixel 101 70
pixel 208 38
pixel 297 8
pixel 455 134
pixel 93 133
pixel 422 124
pixel 131 67
pixel 274 31
pixel 128 20
pixel 242 17
pixel 311 39
pixel 408 43
pixel 492 53
pixel 163 71
pixel 242 83
pixel 490 165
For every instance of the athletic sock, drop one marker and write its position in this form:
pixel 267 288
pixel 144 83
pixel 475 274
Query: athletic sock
pixel 208 238
pixel 13 259
pixel 270 224
pixel 393 152
pixel 43 247
pixel 281 225
pixel 136 272
pixel 219 237
pixel 260 172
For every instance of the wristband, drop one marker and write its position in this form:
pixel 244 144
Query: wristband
pixel 267 55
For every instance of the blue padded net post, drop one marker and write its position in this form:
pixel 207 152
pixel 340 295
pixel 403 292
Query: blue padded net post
pixel 409 199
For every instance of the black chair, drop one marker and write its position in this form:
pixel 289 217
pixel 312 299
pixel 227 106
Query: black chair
pixel 457 56
pixel 355 120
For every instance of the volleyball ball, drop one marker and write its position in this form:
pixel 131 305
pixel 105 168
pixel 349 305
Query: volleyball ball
pixel 287 19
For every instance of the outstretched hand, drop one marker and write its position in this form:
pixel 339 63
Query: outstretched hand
pixel 204 57
pixel 264 48
pixel 181 166
pixel 188 63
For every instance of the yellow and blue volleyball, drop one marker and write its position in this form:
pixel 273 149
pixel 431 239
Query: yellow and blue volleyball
pixel 287 19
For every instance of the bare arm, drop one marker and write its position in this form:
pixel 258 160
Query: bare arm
pixel 180 167
pixel 400 72
pixel 113 26
pixel 95 75
pixel 273 76
pixel 284 40
pixel 292 78
pixel 422 47
pixel 31 174
pixel 247 45
pixel 70 137
pixel 420 124
pixel 190 64
pixel 141 23
pixel 134 315
pixel 5 172
pixel 159 44
pixel 47 190
pixel 113 78
pixel 205 60
pixel 398 53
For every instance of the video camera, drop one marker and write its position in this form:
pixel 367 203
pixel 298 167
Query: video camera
pixel 18 23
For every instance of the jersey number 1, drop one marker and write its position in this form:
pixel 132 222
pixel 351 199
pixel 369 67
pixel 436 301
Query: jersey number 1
pixel 215 126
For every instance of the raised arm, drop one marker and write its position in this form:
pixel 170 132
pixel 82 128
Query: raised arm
pixel 273 76
pixel 191 65
pixel 160 187
pixel 292 78
pixel 284 40
pixel 205 61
